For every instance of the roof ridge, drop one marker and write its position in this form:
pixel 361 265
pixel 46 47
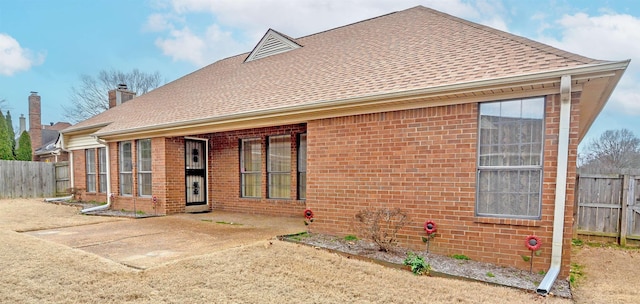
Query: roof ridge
pixel 523 40
pixel 353 23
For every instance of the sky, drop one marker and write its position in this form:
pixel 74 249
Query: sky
pixel 45 46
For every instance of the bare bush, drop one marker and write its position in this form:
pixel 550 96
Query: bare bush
pixel 381 225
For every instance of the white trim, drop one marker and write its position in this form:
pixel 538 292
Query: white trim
pixel 272 43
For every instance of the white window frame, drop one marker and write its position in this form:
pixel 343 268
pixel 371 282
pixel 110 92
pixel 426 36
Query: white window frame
pixel 144 166
pixel 279 166
pixel 510 167
pixel 247 171
pixel 125 168
pixel 102 170
pixel 90 173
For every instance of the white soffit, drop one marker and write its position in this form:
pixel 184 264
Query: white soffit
pixel 272 43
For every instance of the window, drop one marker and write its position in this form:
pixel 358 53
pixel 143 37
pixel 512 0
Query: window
pixel 302 166
pixel 144 167
pixel 250 163
pixel 126 180
pixel 510 150
pixel 90 160
pixel 102 170
pixel 279 166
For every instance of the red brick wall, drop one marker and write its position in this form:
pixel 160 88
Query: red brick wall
pixel 424 162
pixel 224 173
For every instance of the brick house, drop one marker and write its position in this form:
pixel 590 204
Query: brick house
pixel 451 121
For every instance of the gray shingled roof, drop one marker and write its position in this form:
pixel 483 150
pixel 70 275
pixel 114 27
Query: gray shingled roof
pixel 412 49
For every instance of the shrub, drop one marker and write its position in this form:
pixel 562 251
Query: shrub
pixel 381 226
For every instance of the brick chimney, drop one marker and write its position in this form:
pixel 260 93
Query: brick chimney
pixel 23 124
pixel 35 121
pixel 120 95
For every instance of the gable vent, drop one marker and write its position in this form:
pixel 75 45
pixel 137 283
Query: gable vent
pixel 272 43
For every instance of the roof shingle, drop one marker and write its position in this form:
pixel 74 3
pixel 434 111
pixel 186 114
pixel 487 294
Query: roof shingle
pixel 412 49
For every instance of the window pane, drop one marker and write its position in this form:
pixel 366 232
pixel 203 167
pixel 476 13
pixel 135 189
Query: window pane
pixel 125 183
pixel 144 182
pixel 509 192
pixel 302 185
pixel 250 155
pixel 251 185
pixel 279 154
pixel 279 185
pixel 144 155
pixel 510 150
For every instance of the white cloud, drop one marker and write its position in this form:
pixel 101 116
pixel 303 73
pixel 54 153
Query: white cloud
pixel 607 37
pixel 183 45
pixel 14 58
pixel 238 25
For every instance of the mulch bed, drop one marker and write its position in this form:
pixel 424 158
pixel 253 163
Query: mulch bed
pixel 442 266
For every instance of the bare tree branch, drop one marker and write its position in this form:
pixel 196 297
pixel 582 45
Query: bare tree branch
pixel 614 149
pixel 90 97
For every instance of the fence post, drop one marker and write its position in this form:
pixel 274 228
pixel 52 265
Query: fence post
pixel 623 210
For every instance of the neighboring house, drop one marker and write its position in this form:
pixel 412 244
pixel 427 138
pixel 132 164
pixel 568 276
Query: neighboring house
pixel 451 121
pixel 45 139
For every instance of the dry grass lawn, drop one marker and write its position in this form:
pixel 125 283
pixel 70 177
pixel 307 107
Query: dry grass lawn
pixel 34 270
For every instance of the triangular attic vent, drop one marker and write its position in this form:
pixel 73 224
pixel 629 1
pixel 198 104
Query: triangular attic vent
pixel 272 43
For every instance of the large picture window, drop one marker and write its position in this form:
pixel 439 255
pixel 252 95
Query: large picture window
pixel 510 151
pixel 302 166
pixel 102 170
pixel 125 166
pixel 144 167
pixel 90 160
pixel 250 163
pixel 279 166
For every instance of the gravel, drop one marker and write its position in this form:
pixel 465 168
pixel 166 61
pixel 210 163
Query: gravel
pixel 440 265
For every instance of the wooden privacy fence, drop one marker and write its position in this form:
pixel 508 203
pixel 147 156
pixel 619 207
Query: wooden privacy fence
pixel 32 179
pixel 609 205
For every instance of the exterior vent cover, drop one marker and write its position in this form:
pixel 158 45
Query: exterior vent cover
pixel 272 43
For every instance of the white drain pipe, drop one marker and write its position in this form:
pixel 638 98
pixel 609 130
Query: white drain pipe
pixel 109 194
pixel 561 187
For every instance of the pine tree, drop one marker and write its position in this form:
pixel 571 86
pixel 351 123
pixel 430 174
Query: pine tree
pixel 12 133
pixel 5 141
pixel 24 147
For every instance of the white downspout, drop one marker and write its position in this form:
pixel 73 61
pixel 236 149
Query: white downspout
pixel 561 187
pixel 106 206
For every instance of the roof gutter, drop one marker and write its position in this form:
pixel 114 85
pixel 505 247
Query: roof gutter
pixel 561 187
pixel 382 98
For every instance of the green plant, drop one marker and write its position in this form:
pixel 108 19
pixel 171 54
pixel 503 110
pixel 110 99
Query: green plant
pixel 381 226
pixel 526 258
pixel 575 273
pixel 542 272
pixel 140 212
pixel 350 237
pixel 299 236
pixel 417 264
pixel 577 242
pixel 460 257
pixel 491 275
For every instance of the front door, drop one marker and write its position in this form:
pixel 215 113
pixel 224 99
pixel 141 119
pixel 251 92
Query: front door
pixel 195 162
